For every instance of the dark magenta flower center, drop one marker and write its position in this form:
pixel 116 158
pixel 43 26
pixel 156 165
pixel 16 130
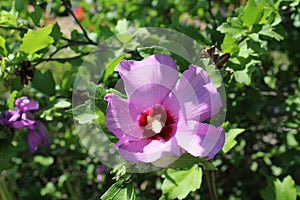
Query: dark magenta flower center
pixel 156 122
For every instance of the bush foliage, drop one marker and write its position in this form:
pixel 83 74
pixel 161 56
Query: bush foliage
pixel 44 43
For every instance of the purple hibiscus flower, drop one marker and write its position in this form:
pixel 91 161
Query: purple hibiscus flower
pixel 37 132
pixel 20 118
pixel 163 114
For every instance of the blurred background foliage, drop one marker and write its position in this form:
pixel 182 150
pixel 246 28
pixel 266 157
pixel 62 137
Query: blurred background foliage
pixel 43 43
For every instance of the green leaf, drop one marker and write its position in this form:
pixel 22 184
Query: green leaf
pixel 45 161
pixel 121 190
pixel 269 191
pixel 85 118
pixel 56 33
pixel 122 25
pixel 84 114
pixel 242 76
pixel 298 190
pixel 11 100
pixel 186 160
pixel 252 13
pixel 111 66
pixel 230 136
pixel 3 50
pixel 36 40
pixel 148 51
pixel 270 81
pixel 7 151
pixel 179 183
pixel 214 75
pixel 268 30
pixel 230 44
pixel 7 18
pixel 233 26
pixel 285 190
pixel 36 15
pixel 96 94
pixel 44 82
pixel 50 111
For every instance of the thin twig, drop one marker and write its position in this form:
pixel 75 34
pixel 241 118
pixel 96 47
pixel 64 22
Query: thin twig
pixel 211 14
pixel 213 183
pixel 78 22
pixel 14 28
pixel 73 42
pixel 58 49
pixel 39 61
pixel 207 178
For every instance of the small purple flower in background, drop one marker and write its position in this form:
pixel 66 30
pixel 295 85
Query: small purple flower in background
pixel 37 132
pixel 99 170
pixel 163 114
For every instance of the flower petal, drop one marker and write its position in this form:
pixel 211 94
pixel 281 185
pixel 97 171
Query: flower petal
pixel 200 139
pixel 33 139
pixel 198 96
pixel 25 104
pixel 37 134
pixel 26 119
pixel 42 130
pixel 159 69
pixel 147 150
pixel 9 116
pixel 121 118
pixel 147 96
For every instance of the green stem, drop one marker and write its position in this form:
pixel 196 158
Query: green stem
pixel 213 182
pixel 210 178
pixel 207 178
pixel 4 192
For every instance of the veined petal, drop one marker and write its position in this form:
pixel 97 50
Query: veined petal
pixel 198 96
pixel 159 69
pixel 200 139
pixel 148 95
pixel 121 118
pixel 147 150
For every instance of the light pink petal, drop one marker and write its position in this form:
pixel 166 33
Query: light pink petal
pixel 121 118
pixel 172 105
pixel 147 150
pixel 198 96
pixel 147 96
pixel 159 69
pixel 200 139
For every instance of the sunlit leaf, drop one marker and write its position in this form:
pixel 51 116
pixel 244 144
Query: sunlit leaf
pixel 230 136
pixel 179 183
pixel 252 13
pixel 120 191
pixel 36 40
